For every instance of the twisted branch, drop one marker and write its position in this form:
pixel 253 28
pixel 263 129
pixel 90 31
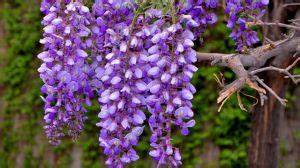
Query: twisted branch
pixel 255 61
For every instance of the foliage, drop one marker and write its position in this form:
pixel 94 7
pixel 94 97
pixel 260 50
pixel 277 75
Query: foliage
pixel 19 79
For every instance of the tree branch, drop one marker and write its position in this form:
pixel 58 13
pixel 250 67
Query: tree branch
pixel 261 23
pixel 282 101
pixel 253 61
pixel 257 57
pixel 281 70
pixel 291 4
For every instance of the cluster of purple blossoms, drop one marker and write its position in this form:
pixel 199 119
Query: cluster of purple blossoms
pixel 198 11
pixel 122 96
pixel 64 71
pixel 240 14
pixel 171 57
pixel 138 61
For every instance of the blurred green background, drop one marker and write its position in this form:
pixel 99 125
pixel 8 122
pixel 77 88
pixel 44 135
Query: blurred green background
pixel 217 140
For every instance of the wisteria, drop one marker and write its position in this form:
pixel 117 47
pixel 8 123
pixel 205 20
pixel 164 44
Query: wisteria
pixel 64 69
pixel 198 10
pixel 240 14
pixel 123 81
pixel 137 60
pixel 170 89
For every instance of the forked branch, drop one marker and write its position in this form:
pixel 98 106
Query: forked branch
pixel 254 61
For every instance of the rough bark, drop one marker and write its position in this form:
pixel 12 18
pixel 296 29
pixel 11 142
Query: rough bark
pixel 264 143
pixel 265 121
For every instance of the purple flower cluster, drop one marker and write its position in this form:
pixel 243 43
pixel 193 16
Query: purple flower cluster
pixel 122 96
pixel 198 11
pixel 239 14
pixel 170 57
pixel 64 71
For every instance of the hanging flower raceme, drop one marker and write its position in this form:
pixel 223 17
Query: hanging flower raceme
pixel 98 29
pixel 64 70
pixel 170 57
pixel 240 15
pixel 123 81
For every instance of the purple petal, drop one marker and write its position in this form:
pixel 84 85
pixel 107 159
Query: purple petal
pixel 165 78
pixel 141 86
pixel 153 71
pixel 177 155
pixel 113 126
pixel 191 55
pixel 50 29
pixel 177 101
pixel 81 53
pixel 154 89
pixel 123 47
pixel 125 123
pixel 173 68
pixel 138 73
pixel 185 131
pixel 190 123
pixel 153 49
pixel 138 119
pixel 137 131
pixel 188 43
pixel 153 58
pixel 110 55
pixel 115 80
pixel 265 2
pixel 180 47
pixel 186 94
pixel 114 96
pixel 154 153
pixel 104 112
pixel 135 100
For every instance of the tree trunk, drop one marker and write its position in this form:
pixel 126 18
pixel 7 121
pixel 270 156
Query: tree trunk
pixel 265 121
pixel 264 146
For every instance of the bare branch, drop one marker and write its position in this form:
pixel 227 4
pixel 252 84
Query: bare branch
pixel 261 23
pixel 293 64
pixel 255 61
pixel 295 76
pixel 256 57
pixel 294 20
pixel 271 68
pixel 291 4
pixel 282 101
pixel 281 70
